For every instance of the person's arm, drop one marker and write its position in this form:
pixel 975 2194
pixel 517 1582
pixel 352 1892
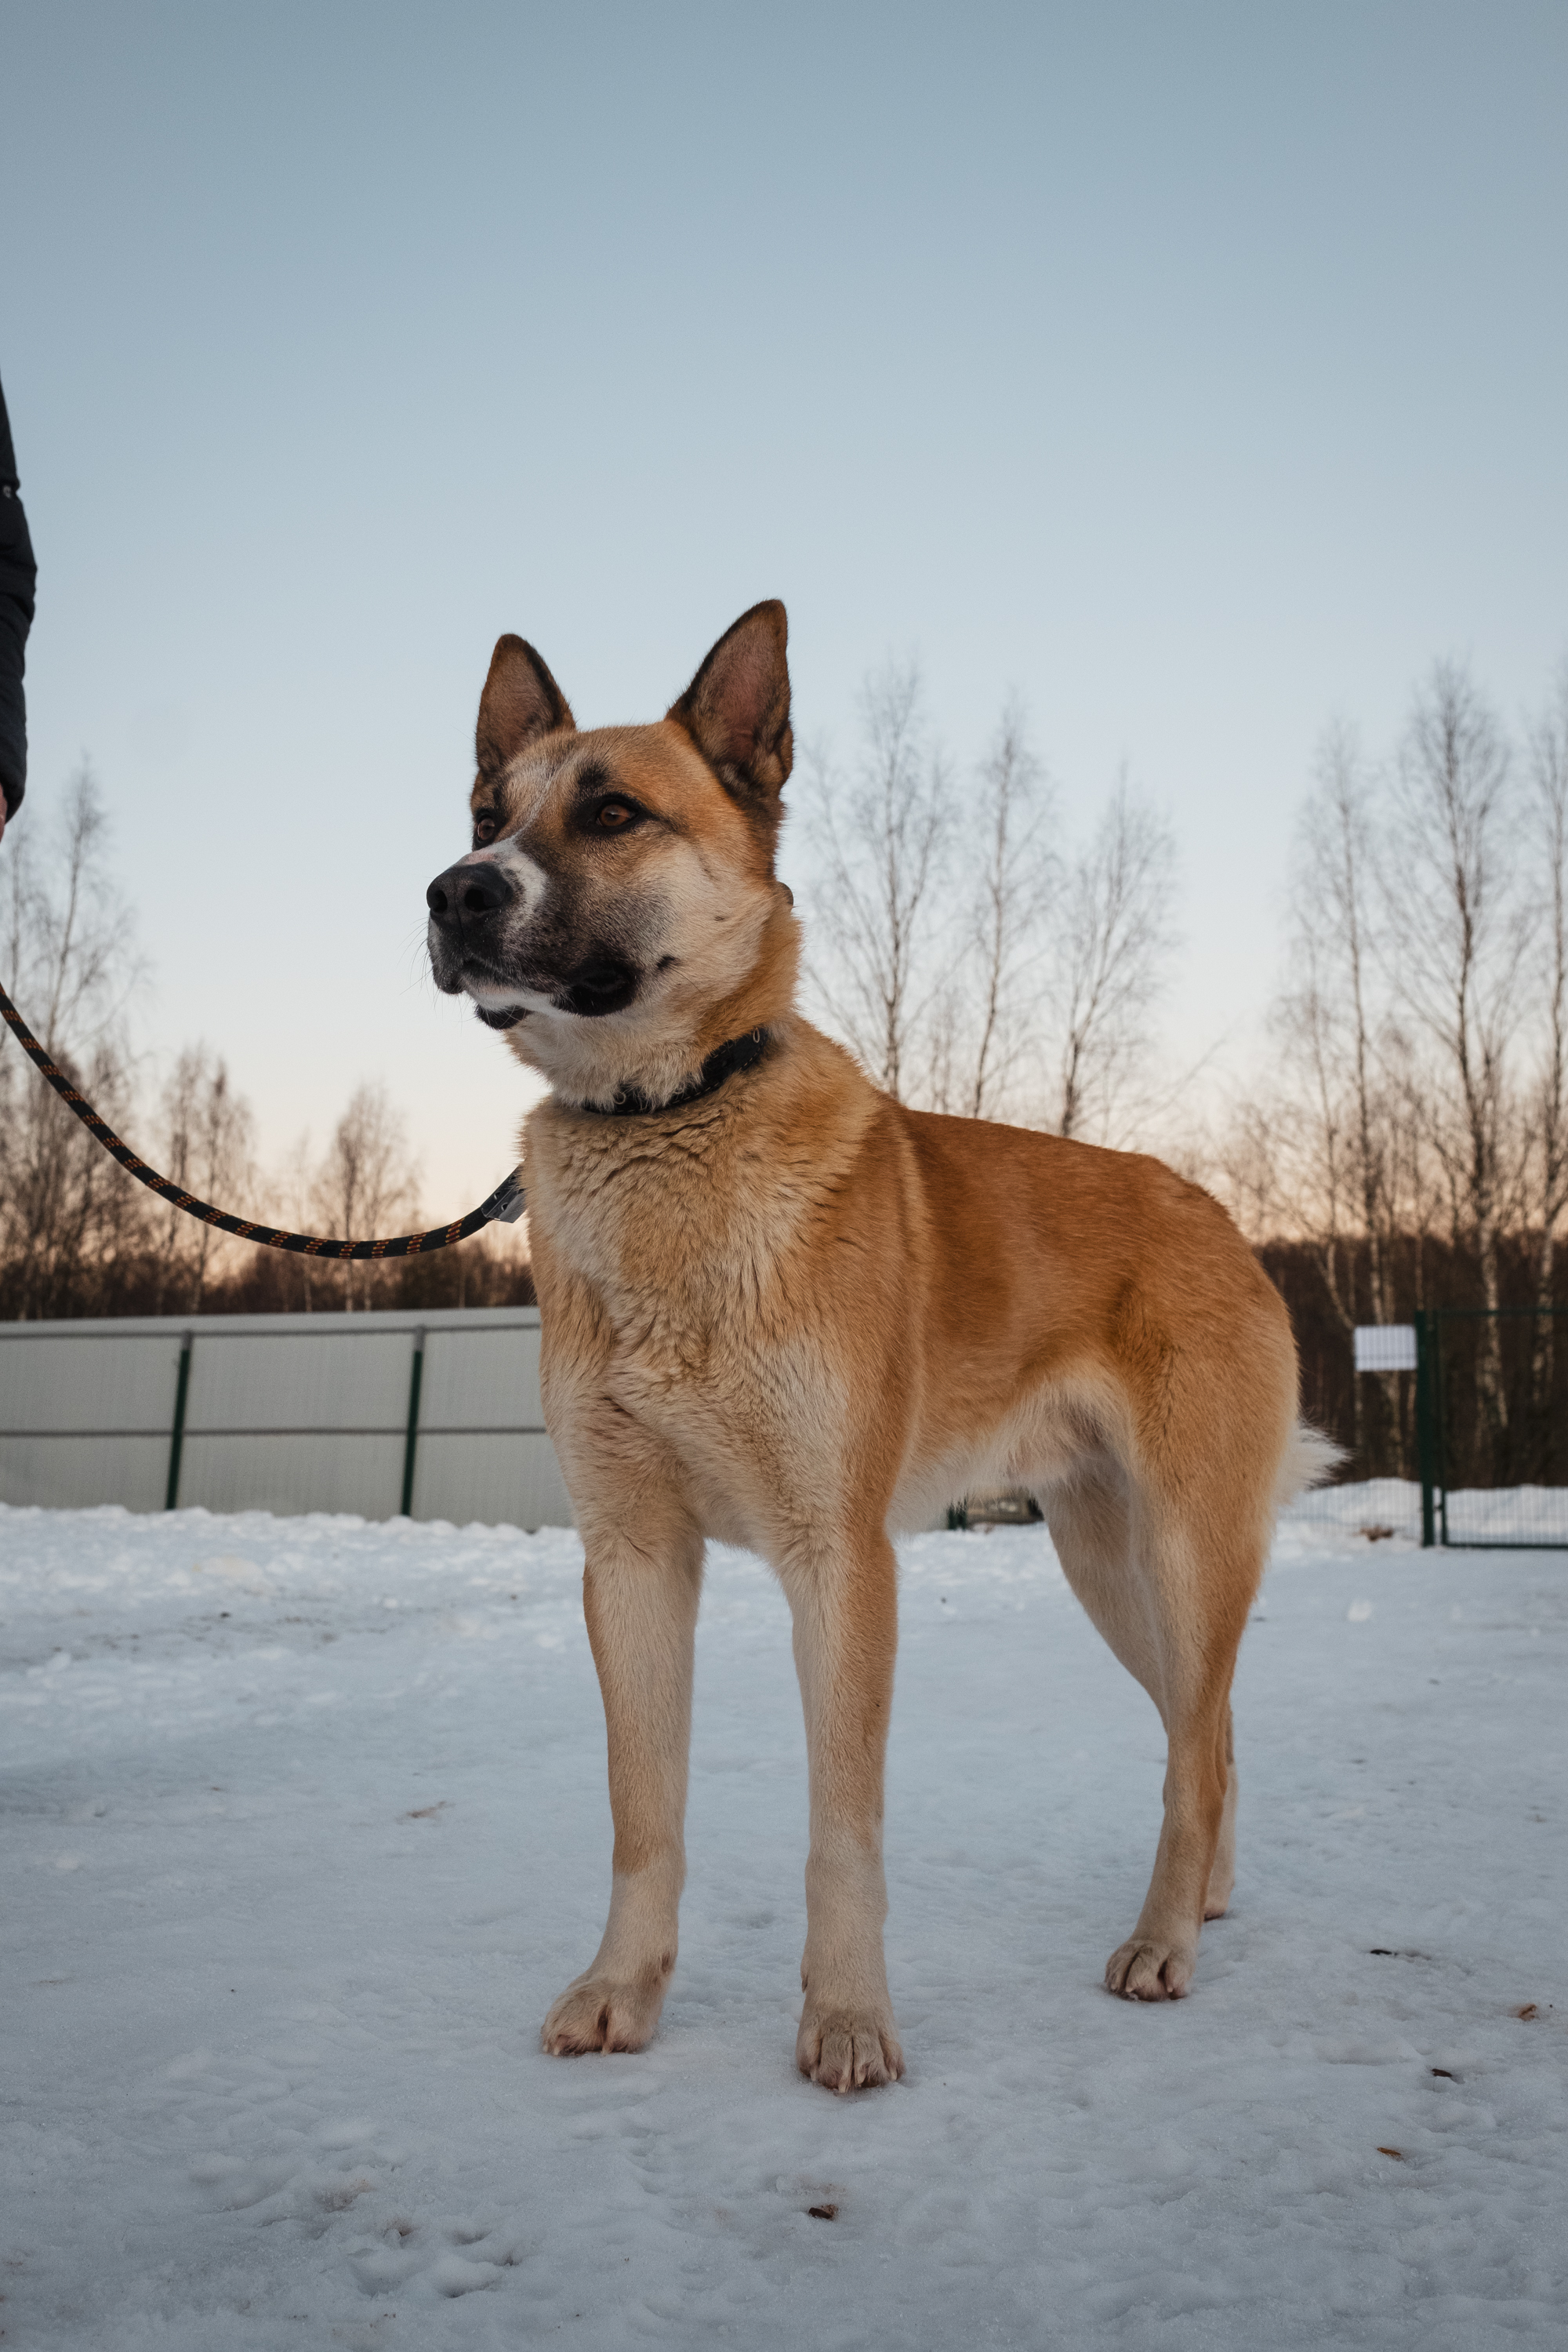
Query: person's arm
pixel 19 574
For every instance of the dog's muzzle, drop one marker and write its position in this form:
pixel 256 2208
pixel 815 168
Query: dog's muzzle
pixel 469 907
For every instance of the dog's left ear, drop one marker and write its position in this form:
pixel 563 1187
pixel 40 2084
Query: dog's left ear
pixel 520 700
pixel 736 708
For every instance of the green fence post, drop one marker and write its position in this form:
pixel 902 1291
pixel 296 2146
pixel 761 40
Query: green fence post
pixel 411 1437
pixel 177 1434
pixel 1426 1419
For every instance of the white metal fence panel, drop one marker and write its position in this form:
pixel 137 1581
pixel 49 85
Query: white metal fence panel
pixel 323 1381
pixel 294 1470
pixel 297 1421
pixel 482 1380
pixel 117 1384
pixel 85 1414
pixel 475 1385
pixel 516 1485
pixel 284 1412
pixel 66 1472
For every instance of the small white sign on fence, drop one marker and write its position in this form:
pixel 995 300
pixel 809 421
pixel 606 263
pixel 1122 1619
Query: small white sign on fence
pixel 1386 1347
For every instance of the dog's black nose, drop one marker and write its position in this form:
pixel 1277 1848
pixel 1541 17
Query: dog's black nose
pixel 468 892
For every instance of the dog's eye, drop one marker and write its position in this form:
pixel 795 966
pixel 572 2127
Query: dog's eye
pixel 614 816
pixel 484 827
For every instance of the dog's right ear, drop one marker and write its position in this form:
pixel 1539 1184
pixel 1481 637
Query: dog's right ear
pixel 520 700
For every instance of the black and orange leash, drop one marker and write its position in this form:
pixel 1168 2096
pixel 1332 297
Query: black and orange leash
pixel 504 1207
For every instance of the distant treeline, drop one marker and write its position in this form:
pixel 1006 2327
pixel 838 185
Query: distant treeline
pixel 128 1279
pixel 1403 1145
pixel 80 1237
pixel 1411 1139
pixel 1373 1415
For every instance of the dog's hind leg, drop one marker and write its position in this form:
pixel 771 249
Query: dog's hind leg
pixel 1173 1607
pixel 640 1596
pixel 1222 1871
pixel 1091 1525
pixel 844 1601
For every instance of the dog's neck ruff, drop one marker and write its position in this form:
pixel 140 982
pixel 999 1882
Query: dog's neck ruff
pixel 725 1062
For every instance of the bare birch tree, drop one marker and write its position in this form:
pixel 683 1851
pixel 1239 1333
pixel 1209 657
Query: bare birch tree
pixel 1339 842
pixel 366 1184
pixel 68 950
pixel 1549 1104
pixel 876 962
pixel 209 1137
pixel 1114 938
pixel 1458 942
pixel 1015 892
pixel 971 964
pixel 1330 1029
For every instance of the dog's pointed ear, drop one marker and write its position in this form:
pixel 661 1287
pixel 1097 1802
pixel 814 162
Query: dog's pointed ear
pixel 520 700
pixel 736 708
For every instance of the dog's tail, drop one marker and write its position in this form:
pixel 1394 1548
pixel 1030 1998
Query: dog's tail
pixel 1310 1460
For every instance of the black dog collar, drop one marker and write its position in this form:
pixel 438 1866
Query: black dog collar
pixel 723 1062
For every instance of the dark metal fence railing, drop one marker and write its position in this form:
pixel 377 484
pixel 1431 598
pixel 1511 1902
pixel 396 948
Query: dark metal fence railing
pixel 1487 1440
pixel 1493 1423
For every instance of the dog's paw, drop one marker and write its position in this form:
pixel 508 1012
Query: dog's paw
pixel 598 2013
pixel 1150 1970
pixel 847 2049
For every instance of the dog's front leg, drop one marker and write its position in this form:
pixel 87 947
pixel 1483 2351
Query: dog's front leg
pixel 845 1607
pixel 641 1607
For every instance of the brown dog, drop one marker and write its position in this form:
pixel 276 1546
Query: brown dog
pixel 782 1310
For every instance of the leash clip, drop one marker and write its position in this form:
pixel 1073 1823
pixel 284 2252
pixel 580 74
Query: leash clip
pixel 508 1202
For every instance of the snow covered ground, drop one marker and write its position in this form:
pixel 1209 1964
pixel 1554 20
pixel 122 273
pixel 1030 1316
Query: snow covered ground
pixel 306 1824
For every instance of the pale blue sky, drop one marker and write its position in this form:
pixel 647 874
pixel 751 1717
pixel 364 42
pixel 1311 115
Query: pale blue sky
pixel 1199 372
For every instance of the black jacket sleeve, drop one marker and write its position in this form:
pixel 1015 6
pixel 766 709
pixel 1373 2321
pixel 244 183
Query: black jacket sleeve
pixel 19 574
